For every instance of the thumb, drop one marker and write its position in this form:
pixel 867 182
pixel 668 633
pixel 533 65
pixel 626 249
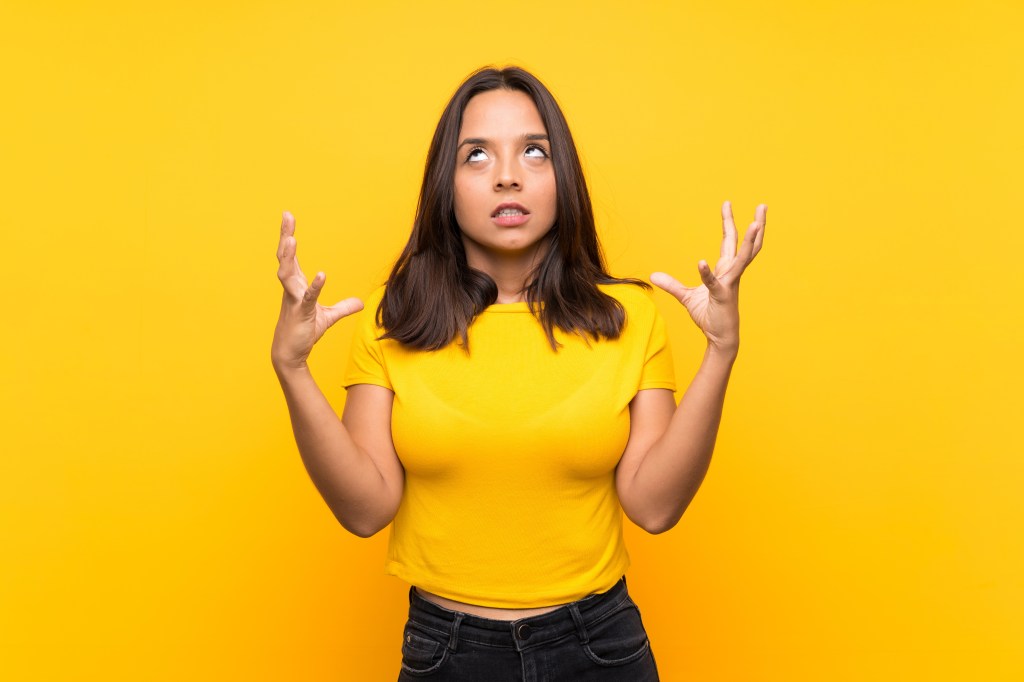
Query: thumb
pixel 342 309
pixel 671 285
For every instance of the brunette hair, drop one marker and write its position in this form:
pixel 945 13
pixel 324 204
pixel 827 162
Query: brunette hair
pixel 432 295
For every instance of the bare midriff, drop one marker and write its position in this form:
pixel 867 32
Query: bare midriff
pixel 484 611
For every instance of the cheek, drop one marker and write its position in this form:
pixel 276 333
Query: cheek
pixel 467 196
pixel 461 200
pixel 551 195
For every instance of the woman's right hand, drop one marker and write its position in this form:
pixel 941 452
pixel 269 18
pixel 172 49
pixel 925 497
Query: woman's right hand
pixel 303 321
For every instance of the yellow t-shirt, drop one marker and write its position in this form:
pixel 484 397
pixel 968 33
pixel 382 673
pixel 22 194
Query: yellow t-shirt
pixel 510 451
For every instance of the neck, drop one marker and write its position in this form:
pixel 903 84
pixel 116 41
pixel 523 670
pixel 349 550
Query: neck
pixel 510 271
pixel 511 281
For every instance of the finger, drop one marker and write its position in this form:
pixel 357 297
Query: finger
pixel 746 253
pixel 312 292
pixel 750 246
pixel 286 251
pixel 292 251
pixel 671 285
pixel 728 231
pixel 289 264
pixel 286 258
pixel 287 230
pixel 763 217
pixel 288 271
pixel 706 276
pixel 342 309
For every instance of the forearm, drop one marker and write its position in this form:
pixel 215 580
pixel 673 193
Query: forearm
pixel 673 469
pixel 347 479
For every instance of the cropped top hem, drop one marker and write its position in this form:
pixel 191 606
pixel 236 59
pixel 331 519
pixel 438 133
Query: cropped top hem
pixel 506 600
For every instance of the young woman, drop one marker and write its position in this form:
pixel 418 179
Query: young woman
pixel 508 400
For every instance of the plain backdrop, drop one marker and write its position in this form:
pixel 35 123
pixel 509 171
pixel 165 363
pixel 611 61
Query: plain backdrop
pixel 861 518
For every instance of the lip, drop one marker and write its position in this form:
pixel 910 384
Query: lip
pixel 510 220
pixel 509 204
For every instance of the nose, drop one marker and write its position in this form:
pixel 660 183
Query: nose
pixel 507 175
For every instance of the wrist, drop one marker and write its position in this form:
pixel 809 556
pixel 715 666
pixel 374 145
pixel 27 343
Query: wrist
pixel 289 368
pixel 727 351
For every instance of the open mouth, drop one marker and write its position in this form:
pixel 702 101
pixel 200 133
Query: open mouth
pixel 510 214
pixel 509 209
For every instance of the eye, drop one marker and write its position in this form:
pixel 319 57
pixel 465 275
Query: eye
pixel 535 151
pixel 476 154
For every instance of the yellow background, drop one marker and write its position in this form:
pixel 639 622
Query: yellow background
pixel 861 519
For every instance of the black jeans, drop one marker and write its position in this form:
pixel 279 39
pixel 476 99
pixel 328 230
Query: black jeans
pixel 599 638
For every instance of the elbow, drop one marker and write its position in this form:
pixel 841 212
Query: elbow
pixel 667 517
pixel 364 526
pixel 363 530
pixel 364 520
pixel 658 528
pixel 362 533
pixel 662 524
pixel 359 530
pixel 649 525
pixel 653 523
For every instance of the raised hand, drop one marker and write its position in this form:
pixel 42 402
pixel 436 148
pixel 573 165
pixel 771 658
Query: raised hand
pixel 714 305
pixel 303 321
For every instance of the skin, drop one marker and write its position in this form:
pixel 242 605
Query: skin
pixel 353 462
pixel 504 156
pixel 669 448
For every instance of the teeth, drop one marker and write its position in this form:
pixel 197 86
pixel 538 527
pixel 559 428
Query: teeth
pixel 510 211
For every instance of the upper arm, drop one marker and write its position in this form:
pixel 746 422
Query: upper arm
pixel 650 412
pixel 367 418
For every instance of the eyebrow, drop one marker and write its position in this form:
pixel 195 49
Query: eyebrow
pixel 481 140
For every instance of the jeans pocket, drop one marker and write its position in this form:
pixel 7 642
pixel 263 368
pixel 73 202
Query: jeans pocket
pixel 424 651
pixel 619 638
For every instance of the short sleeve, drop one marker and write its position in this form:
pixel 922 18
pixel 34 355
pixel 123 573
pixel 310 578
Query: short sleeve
pixel 366 362
pixel 658 370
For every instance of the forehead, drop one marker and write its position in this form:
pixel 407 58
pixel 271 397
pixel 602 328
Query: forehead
pixel 501 113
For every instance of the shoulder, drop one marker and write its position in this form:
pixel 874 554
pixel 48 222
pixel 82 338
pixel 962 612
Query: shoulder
pixel 373 299
pixel 367 317
pixel 634 299
pixel 642 316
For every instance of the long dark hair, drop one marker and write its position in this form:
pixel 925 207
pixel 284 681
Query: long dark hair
pixel 432 295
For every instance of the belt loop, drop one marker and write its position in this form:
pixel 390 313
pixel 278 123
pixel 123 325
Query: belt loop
pixel 454 639
pixel 578 619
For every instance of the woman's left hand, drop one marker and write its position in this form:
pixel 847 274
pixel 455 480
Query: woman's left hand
pixel 714 305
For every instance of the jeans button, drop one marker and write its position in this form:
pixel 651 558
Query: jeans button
pixel 523 631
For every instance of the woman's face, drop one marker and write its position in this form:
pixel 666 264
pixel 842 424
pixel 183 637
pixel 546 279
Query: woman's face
pixel 505 199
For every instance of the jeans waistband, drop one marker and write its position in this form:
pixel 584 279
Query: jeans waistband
pixel 572 618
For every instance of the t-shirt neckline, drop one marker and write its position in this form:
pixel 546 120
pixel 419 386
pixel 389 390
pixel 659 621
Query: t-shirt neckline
pixel 517 307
